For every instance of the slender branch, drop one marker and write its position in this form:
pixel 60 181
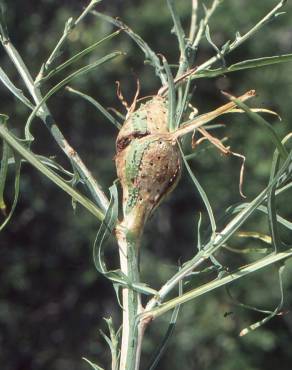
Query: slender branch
pixel 69 26
pixel 193 27
pixel 245 64
pixel 215 243
pixel 194 293
pixel 46 117
pixel 179 32
pixel 203 24
pixel 240 39
pixel 32 159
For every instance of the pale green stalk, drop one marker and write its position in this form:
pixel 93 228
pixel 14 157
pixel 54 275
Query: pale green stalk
pixel 32 159
pixel 206 288
pixel 240 39
pixel 131 299
pixel 219 240
pixel 46 117
pixel 69 26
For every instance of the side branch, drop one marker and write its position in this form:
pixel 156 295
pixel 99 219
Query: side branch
pixel 45 115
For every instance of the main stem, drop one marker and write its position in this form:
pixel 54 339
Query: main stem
pixel 131 299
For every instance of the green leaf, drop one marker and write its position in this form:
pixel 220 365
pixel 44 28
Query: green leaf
pixel 244 305
pixel 273 313
pixel 214 46
pixel 227 279
pixel 77 56
pixel 33 160
pixel 261 121
pixel 15 91
pixel 4 168
pixel 105 230
pixel 93 366
pixel 166 339
pixel 235 209
pixel 271 206
pixel 96 105
pixel 16 192
pixel 64 82
pixel 181 37
pixel 3 27
pixel 171 97
pixel 150 55
pixel 143 288
pixel 245 64
pixel 202 194
pixel 49 162
pixel 113 342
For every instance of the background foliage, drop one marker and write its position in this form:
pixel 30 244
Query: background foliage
pixel 52 300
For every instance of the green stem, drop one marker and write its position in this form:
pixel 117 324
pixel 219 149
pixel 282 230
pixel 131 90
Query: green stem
pixel 129 249
pixel 239 39
pixel 69 26
pixel 45 115
pixel 215 243
pixel 194 293
pixel 32 159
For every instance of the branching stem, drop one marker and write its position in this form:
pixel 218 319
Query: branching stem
pixel 69 26
pixel 45 115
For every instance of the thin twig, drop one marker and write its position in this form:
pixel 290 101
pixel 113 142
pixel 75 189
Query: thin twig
pixel 179 32
pixel 239 39
pixel 46 117
pixel 239 273
pixel 69 26
pixel 215 243
pixel 204 22
pixel 193 27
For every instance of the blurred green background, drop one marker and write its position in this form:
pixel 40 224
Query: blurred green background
pixel 52 300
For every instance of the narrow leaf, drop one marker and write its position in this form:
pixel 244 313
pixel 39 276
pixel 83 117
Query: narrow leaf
pixel 33 160
pixel 64 82
pixel 208 37
pixel 14 90
pixel 96 105
pixel 261 121
pixel 93 366
pixel 272 314
pixel 261 208
pixel 202 194
pixel 171 97
pixel 77 56
pixel 150 55
pixel 271 205
pixel 227 279
pixel 112 342
pixel 255 235
pixel 4 168
pixel 166 339
pixel 105 230
pixel 16 192
pixel 181 37
pixel 246 64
